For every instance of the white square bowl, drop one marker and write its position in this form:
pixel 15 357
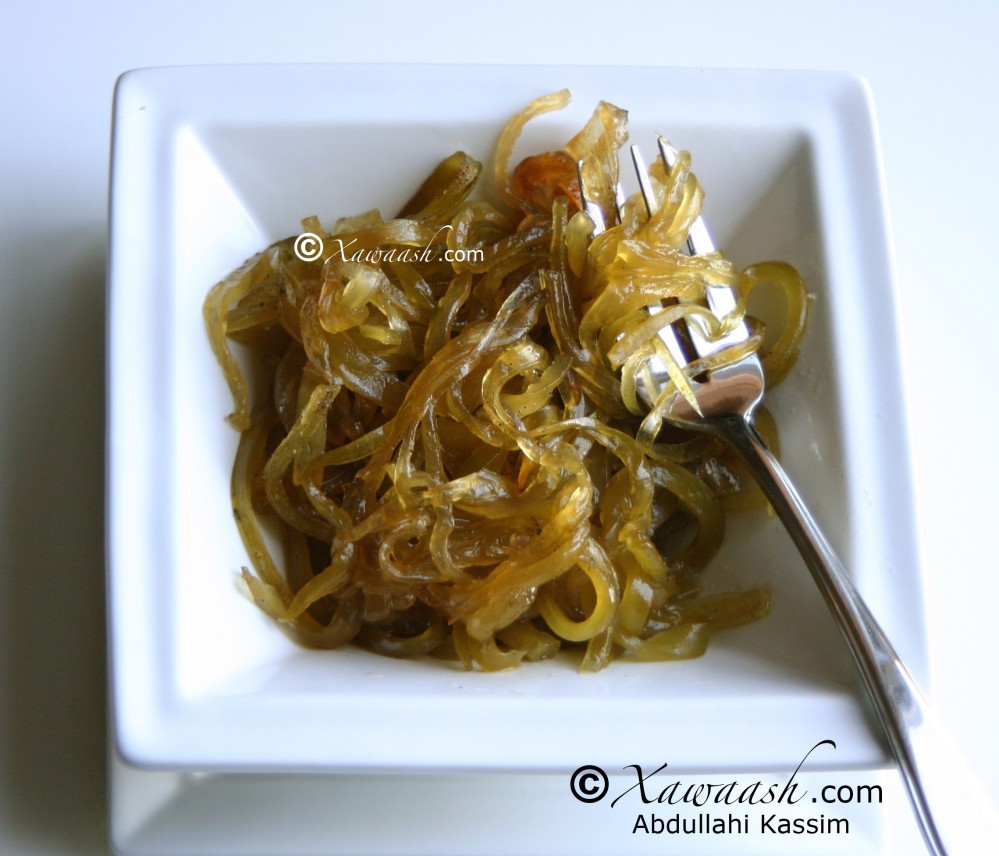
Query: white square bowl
pixel 211 164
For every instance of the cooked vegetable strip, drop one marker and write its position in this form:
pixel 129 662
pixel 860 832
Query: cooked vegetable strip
pixel 444 433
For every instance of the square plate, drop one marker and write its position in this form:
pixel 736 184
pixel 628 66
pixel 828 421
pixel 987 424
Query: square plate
pixel 211 164
pixel 413 814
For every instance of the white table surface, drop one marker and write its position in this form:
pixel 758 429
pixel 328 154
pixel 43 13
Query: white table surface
pixel 932 67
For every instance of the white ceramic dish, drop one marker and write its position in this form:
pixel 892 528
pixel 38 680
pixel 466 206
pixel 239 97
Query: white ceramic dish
pixel 210 164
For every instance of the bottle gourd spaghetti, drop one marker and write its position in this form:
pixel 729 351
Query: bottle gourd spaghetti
pixel 444 453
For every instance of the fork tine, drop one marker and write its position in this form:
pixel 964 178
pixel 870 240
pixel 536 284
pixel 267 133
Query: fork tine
pixel 720 298
pixel 668 335
pixel 590 207
pixel 644 185
pixel 699 239
pixel 619 200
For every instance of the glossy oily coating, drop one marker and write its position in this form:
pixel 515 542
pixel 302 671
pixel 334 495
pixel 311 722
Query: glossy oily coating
pixel 442 451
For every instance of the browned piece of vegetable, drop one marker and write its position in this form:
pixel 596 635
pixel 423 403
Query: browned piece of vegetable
pixel 446 438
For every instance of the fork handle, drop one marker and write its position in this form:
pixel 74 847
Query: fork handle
pixel 950 806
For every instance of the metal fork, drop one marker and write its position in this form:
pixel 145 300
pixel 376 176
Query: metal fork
pixel 951 809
